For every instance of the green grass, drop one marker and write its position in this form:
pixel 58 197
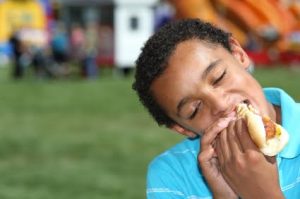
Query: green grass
pixel 75 139
pixel 84 139
pixel 286 78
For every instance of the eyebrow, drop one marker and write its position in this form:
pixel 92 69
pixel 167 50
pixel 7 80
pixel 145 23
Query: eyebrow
pixel 208 69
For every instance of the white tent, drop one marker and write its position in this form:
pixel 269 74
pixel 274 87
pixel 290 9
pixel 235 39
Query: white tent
pixel 133 24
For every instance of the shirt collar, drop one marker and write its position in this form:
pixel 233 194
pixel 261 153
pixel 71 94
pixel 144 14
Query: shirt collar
pixel 290 115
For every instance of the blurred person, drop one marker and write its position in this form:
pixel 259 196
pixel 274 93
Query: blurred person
pixel 106 46
pixel 90 67
pixel 77 41
pixel 60 48
pixel 190 76
pixel 18 49
pixel 42 62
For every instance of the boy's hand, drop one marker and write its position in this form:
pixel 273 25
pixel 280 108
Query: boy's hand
pixel 209 163
pixel 248 172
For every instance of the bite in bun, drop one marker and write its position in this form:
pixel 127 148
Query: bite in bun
pixel 266 134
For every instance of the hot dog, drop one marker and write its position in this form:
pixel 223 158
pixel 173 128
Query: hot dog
pixel 269 136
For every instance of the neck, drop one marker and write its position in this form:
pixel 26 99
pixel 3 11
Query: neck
pixel 275 113
pixel 278 114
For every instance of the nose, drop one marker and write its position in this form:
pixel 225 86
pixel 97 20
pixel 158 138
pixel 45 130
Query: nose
pixel 218 103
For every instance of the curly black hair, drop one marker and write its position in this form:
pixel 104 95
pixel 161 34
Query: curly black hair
pixel 155 55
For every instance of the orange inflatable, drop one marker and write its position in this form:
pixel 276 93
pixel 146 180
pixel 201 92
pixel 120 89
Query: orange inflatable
pixel 270 21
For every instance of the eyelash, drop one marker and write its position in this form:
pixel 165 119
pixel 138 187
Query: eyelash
pixel 195 112
pixel 214 83
pixel 220 78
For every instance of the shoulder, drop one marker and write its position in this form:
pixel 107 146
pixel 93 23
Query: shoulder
pixel 175 172
pixel 175 160
pixel 186 150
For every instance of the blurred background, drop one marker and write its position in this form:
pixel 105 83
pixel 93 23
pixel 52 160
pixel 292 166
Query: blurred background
pixel 71 126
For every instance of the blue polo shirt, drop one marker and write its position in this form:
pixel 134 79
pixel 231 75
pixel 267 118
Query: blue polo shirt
pixel 175 173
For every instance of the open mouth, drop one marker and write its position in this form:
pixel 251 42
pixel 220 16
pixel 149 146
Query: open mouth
pixel 247 102
pixel 249 105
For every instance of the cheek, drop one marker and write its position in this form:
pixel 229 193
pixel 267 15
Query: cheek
pixel 239 74
pixel 201 122
pixel 254 92
pixel 243 80
pixel 250 84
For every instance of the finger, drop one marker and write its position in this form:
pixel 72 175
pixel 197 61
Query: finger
pixel 213 145
pixel 244 137
pixel 205 157
pixel 219 151
pixel 211 132
pixel 232 137
pixel 224 145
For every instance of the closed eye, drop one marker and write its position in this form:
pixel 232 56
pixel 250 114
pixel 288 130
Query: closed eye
pixel 194 112
pixel 220 78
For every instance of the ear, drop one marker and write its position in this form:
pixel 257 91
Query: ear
pixel 183 131
pixel 239 53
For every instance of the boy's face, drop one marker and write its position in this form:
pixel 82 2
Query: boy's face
pixel 204 83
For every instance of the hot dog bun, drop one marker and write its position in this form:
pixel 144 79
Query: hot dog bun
pixel 269 145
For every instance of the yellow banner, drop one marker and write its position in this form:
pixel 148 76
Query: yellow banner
pixel 16 15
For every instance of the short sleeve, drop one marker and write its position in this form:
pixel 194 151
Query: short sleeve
pixel 163 180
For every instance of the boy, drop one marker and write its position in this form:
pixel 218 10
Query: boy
pixel 190 76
